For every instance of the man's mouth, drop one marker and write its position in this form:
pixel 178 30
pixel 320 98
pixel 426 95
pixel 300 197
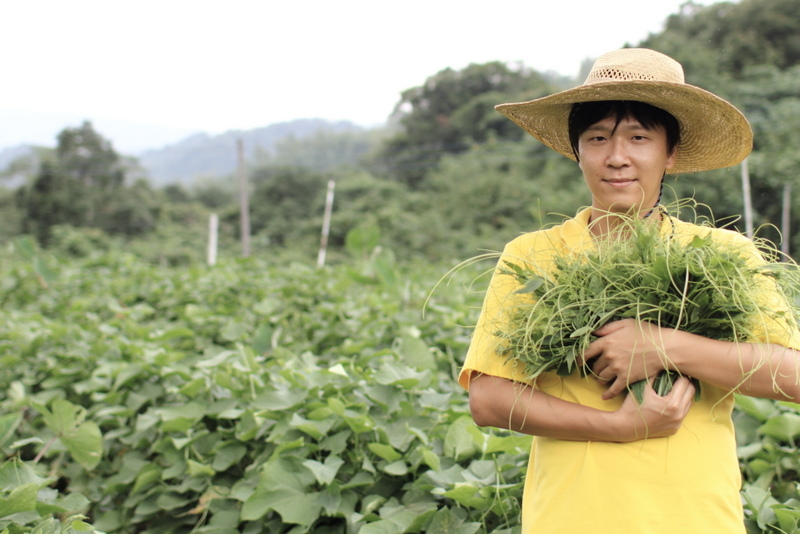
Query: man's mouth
pixel 620 182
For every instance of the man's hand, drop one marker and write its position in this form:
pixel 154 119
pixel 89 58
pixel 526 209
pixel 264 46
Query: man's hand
pixel 656 416
pixel 628 351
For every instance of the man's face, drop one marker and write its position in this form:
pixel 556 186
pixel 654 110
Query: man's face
pixel 623 164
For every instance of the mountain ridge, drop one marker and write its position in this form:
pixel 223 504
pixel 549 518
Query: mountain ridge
pixel 203 154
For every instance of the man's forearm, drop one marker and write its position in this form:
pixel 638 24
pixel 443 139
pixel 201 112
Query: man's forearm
pixel 506 404
pixel 759 370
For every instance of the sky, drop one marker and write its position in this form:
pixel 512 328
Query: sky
pixel 148 73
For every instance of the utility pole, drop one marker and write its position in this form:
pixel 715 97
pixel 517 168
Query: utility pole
pixel 244 203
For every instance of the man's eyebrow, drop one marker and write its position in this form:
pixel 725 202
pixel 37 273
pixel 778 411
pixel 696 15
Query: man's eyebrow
pixel 599 128
pixel 633 125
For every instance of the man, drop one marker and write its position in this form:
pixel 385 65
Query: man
pixel 601 462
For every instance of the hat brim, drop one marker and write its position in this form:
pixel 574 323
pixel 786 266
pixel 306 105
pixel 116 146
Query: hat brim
pixel 714 134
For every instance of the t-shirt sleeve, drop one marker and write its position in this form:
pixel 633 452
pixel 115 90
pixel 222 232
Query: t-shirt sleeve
pixel 482 355
pixel 777 323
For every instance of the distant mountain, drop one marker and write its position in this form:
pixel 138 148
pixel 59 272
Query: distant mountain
pixel 7 157
pixel 42 128
pixel 206 155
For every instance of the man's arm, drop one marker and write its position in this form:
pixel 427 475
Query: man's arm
pixel 628 351
pixel 506 404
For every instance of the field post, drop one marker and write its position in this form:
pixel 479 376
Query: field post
pixel 748 202
pixel 213 230
pixel 244 203
pixel 326 224
pixel 786 220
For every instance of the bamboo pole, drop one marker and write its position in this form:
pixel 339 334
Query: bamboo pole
pixel 326 225
pixel 244 203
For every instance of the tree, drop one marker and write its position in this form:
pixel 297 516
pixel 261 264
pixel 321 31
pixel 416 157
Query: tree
pixel 452 110
pixel 82 184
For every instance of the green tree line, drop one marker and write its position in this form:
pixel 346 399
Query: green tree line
pixel 446 178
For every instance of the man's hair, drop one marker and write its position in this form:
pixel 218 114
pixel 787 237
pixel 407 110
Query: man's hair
pixel 585 114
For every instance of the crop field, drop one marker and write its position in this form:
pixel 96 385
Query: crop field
pixel 261 397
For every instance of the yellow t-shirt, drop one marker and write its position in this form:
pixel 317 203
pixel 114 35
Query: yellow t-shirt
pixel 685 483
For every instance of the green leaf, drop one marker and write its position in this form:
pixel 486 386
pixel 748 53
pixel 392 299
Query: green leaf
pixel 398 468
pixel 8 425
pixel 149 474
pixel 431 459
pixel 315 429
pixel 361 240
pixel 234 330
pixel 761 409
pixel 398 521
pixel 784 427
pixel 445 521
pixel 325 473
pixel 461 440
pixel 198 470
pixel 387 452
pixel 228 455
pixel 293 507
pixel 82 439
pixel 22 499
pixel 64 415
pixel 85 444
pixel 399 375
pixel 788 518
pixel 532 285
pixel 416 353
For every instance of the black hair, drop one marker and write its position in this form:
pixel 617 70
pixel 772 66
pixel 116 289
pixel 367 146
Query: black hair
pixel 585 114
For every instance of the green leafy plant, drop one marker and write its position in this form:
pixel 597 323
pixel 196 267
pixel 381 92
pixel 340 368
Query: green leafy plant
pixel 694 284
pixel 261 397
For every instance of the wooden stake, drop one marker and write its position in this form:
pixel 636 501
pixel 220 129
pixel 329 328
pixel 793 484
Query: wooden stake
pixel 748 203
pixel 326 225
pixel 213 230
pixel 786 221
pixel 244 204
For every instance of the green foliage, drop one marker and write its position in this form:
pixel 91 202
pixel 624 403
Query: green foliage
pixel 83 185
pixel 451 110
pixel 720 41
pixel 692 283
pixel 10 217
pixel 248 397
pixel 323 151
pixel 487 195
pixel 257 397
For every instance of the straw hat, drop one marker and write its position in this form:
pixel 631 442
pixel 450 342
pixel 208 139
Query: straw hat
pixel 714 134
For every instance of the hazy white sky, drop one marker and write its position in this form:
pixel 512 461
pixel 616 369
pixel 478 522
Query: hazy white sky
pixel 223 65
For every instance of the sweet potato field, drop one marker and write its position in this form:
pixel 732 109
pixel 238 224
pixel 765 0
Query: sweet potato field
pixel 261 397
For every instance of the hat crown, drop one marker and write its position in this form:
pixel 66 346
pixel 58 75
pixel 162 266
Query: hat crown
pixel 635 64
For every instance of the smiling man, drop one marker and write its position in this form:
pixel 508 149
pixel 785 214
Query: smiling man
pixel 601 462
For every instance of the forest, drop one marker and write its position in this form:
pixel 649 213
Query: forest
pixel 146 391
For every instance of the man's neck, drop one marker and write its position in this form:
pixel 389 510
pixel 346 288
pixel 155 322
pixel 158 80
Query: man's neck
pixel 603 223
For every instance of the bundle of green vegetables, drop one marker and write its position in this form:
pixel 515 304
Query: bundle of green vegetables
pixel 696 285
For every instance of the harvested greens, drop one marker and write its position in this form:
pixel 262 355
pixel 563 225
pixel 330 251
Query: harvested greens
pixel 697 285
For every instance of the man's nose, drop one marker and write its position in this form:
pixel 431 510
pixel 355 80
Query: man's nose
pixel 617 153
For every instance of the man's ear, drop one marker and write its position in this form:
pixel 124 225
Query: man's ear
pixel 671 158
